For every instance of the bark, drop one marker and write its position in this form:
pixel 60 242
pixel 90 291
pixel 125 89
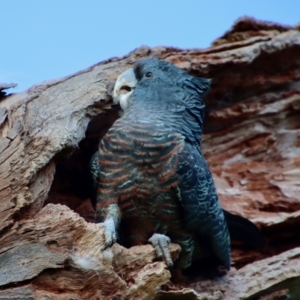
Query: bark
pixel 251 142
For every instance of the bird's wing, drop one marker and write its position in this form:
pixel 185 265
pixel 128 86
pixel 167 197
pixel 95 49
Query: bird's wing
pixel 199 199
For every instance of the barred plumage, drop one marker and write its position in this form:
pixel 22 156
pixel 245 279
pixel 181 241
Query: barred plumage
pixel 151 175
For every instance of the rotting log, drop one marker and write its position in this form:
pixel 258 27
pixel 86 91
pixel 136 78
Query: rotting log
pixel 251 142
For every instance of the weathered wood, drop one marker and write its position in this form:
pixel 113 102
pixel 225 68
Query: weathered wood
pixel 62 252
pixel 25 261
pixel 251 142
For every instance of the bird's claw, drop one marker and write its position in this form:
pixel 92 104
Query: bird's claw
pixel 110 233
pixel 161 243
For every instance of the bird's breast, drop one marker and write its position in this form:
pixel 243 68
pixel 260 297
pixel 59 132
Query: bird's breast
pixel 139 162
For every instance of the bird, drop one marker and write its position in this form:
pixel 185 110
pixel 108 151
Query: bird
pixel 151 181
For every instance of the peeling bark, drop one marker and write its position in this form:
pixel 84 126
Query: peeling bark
pixel 251 142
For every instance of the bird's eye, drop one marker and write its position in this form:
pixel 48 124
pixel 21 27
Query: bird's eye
pixel 148 74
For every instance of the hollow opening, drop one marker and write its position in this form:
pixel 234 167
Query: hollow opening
pixel 71 185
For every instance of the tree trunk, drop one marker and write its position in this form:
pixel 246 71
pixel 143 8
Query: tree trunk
pixel 251 142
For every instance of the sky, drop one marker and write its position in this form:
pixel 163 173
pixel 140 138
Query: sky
pixel 48 39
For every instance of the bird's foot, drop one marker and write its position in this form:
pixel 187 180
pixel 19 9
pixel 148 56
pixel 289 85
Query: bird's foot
pixel 161 243
pixel 110 233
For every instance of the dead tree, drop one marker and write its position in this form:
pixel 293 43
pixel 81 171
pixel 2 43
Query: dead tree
pixel 251 142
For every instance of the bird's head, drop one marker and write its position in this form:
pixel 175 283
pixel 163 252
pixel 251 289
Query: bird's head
pixel 151 79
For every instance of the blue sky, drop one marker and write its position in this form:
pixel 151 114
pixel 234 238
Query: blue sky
pixel 42 39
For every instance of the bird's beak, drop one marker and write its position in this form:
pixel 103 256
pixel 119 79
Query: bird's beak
pixel 124 86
